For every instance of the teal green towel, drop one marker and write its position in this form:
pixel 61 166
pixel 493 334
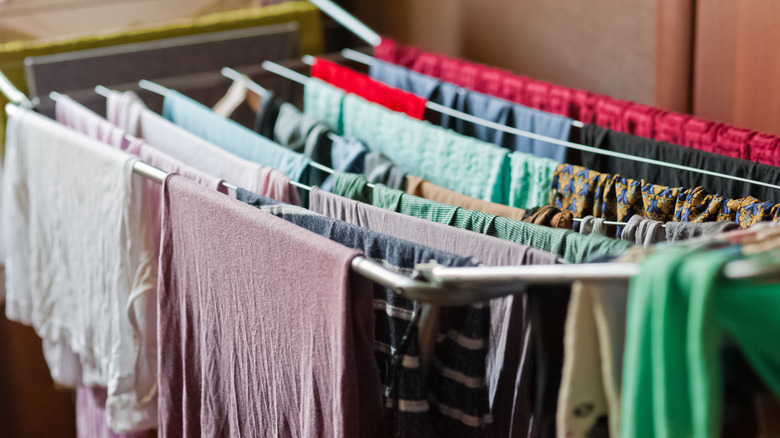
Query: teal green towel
pixel 324 101
pixel 232 137
pixel 531 180
pixel 445 158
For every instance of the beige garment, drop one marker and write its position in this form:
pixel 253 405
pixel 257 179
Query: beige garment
pixel 425 189
pixel 235 95
pixel 589 398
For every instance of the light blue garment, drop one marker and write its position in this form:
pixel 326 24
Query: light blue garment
pixel 485 107
pixel 232 137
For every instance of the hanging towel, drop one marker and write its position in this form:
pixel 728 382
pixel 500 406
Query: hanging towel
pixel 81 269
pixel 324 101
pixel 530 180
pixel 485 107
pixel 267 113
pixel 458 163
pixel 127 111
pixel 688 230
pixel 373 91
pixel 460 405
pixel 301 350
pixel 232 137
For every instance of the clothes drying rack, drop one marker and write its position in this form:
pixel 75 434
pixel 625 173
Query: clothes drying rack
pixel 456 286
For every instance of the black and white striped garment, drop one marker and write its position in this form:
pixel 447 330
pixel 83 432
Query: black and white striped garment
pixel 397 350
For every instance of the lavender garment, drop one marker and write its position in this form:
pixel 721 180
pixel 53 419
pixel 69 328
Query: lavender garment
pixel 266 331
pixel 510 333
pixel 74 115
pixel 91 415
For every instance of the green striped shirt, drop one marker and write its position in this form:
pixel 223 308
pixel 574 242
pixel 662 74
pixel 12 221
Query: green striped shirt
pixel 567 244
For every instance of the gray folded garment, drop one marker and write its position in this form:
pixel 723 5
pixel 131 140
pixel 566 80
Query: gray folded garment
pixel 380 169
pixel 654 232
pixel 586 225
pixel 641 231
pixel 629 231
pixel 599 227
pixel 686 230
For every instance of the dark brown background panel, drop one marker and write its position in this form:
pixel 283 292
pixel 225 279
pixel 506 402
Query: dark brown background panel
pixel 607 46
pixel 30 406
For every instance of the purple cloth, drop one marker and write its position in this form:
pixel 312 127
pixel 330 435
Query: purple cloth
pixel 511 328
pixel 91 415
pixel 266 331
pixel 74 115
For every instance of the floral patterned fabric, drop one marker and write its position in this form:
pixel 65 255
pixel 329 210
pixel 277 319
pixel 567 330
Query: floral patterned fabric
pixel 613 197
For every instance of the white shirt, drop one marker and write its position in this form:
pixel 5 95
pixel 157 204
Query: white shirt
pixel 80 267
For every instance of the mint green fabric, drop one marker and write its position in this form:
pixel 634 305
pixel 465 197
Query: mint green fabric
pixel 530 180
pixel 571 246
pixel 680 308
pixel 462 164
pixel 352 185
pixel 324 101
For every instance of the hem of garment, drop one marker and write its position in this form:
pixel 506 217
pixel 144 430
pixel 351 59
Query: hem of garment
pixel 125 415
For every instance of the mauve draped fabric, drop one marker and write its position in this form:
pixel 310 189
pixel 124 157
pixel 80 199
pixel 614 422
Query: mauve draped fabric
pixel 602 110
pixel 606 139
pixel 369 89
pixel 484 106
pixel 90 406
pixel 265 330
pixel 457 405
